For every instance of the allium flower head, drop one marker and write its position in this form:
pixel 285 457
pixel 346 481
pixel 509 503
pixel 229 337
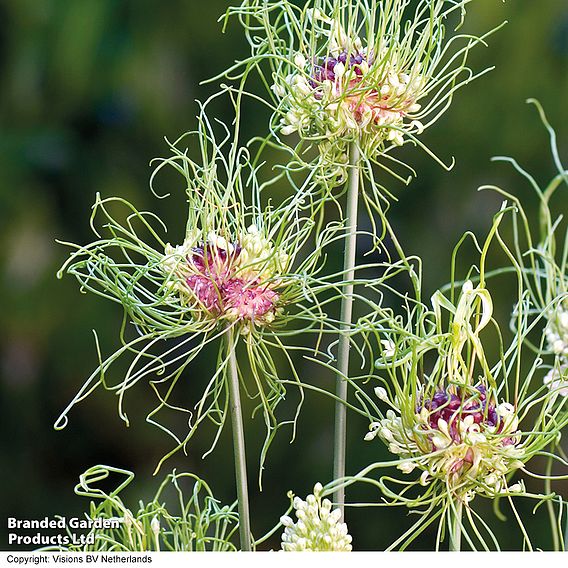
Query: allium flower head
pixel 557 379
pixel 458 424
pixel 236 280
pixel 556 330
pixel 463 439
pixel 457 427
pixel 241 275
pixel 543 263
pixel 352 93
pixel 318 527
pixel 373 73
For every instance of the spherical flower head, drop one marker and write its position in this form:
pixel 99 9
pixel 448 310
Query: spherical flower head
pixel 235 280
pixel 318 527
pixel 557 379
pixel 459 436
pixel 556 330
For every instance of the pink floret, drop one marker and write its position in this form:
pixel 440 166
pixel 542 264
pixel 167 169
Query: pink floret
pixel 215 287
pixel 250 301
pixel 206 291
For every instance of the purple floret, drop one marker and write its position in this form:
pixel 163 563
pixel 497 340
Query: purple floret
pixel 323 68
pixel 450 408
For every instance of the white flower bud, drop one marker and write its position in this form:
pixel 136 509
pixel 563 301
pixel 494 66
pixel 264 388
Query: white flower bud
pixel 278 90
pixel 302 86
pixel 440 442
pixel 406 466
pixel 219 242
pixel 491 479
pixel 155 526
pixel 381 394
pixel 335 514
pixel 505 409
pixel 392 78
pixel 396 137
pixel 288 129
pixel 386 434
pixel 395 448
pixel 299 60
pixel 364 66
pixel 339 69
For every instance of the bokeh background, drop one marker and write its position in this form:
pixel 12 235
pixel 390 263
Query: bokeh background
pixel 88 91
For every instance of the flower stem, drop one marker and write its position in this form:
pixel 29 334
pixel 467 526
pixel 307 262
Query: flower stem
pixel 345 325
pixel 238 444
pixel 565 548
pixel 456 527
pixel 554 528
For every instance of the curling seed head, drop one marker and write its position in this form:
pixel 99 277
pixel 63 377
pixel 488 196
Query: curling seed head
pixel 318 527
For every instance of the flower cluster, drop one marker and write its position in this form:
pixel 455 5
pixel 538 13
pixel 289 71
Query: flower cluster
pixel 318 527
pixel 557 331
pixel 459 436
pixel 233 280
pixel 557 379
pixel 362 76
pixel 350 93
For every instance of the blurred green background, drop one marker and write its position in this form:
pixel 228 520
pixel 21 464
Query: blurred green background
pixel 88 91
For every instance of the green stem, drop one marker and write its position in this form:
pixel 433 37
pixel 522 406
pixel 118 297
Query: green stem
pixel 554 529
pixel 345 325
pixel 456 527
pixel 238 444
pixel 565 544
